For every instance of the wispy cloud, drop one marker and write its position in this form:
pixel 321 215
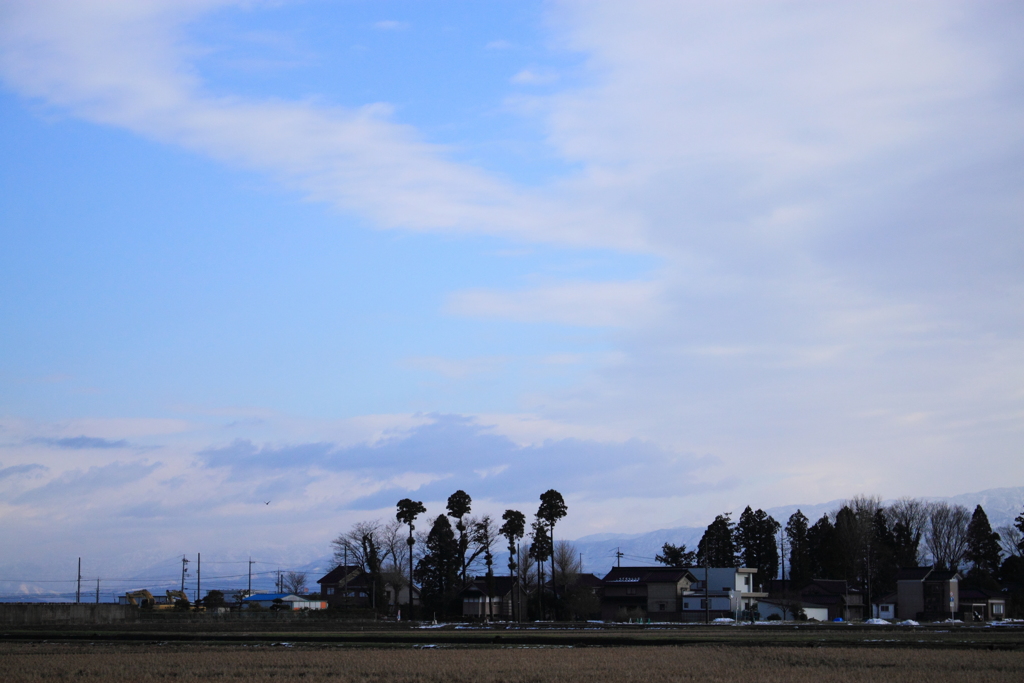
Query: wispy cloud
pixel 587 304
pixel 534 77
pixel 81 442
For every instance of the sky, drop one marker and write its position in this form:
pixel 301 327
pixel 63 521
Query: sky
pixel 269 266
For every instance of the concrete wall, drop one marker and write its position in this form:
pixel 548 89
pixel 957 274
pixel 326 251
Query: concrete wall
pixel 28 614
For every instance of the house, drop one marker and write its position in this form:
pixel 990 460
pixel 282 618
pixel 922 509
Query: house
pixel 927 593
pixel 499 605
pixel 283 601
pixel 841 601
pixel 982 604
pixel 730 591
pixel 653 592
pixel 769 608
pixel 349 587
pixel 884 607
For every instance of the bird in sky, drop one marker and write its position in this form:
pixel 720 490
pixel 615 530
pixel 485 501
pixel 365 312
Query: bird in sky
pixel 266 502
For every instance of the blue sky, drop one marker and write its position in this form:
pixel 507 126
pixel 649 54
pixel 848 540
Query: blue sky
pixel 670 258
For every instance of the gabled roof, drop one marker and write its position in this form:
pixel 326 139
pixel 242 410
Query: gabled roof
pixel 648 575
pixel 589 580
pixel 503 585
pixel 827 586
pixel 927 574
pixel 980 594
pixel 338 574
pixel 913 573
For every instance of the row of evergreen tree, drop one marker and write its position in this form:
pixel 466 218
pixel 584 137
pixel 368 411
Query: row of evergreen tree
pixel 864 543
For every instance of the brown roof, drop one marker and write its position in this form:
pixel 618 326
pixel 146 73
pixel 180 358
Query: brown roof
pixel 338 574
pixel 647 575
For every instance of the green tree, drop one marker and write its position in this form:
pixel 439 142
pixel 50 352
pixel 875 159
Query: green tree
pixel 676 556
pixel 408 511
pixel 513 530
pixel 438 569
pixel 459 505
pixel 717 547
pixel 983 550
pixel 541 549
pixel 755 536
pixel 552 508
pixel 823 551
pixel 883 548
pixel 800 561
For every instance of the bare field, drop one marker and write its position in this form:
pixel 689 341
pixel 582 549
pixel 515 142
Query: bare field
pixel 115 662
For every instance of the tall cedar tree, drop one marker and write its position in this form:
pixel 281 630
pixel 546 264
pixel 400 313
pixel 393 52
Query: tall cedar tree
pixel 755 535
pixel 800 562
pixel 983 550
pixel 513 530
pixel 717 547
pixel 438 569
pixel 408 511
pixel 552 508
pixel 459 505
pixel 483 538
pixel 850 546
pixel 676 556
pixel 823 550
pixel 541 550
pixel 884 566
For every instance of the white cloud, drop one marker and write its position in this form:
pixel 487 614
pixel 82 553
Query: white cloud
pixel 534 77
pixel 125 64
pixel 587 304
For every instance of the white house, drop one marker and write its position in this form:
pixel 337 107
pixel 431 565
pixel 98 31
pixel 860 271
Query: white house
pixel 287 601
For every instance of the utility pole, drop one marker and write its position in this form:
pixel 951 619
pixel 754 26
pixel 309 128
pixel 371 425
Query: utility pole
pixel 249 592
pixel 618 557
pixel 199 575
pixel 184 570
pixel 78 591
pixel 97 591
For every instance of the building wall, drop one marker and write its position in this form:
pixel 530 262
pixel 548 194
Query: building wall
pixel 909 599
pixel 24 614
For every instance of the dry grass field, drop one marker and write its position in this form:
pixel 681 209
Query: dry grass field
pixel 114 662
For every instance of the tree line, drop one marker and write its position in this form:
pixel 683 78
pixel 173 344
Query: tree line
pixel 441 561
pixel 864 543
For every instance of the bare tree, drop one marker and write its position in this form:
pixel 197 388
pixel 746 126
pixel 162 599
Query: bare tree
pixel 912 516
pixel 367 538
pixel 567 563
pixel 947 534
pixel 294 582
pixel 1010 538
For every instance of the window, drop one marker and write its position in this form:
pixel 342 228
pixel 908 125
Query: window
pixel 997 608
pixel 631 590
pixel 686 605
pixel 885 608
pixel 330 590
pixel 661 607
pixel 703 604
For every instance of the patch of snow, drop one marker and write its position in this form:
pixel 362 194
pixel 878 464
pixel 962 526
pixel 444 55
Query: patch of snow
pixel 908 622
pixel 723 620
pixel 877 622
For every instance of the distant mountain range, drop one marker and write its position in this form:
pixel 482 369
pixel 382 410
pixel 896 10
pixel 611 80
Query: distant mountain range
pixel 144 570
